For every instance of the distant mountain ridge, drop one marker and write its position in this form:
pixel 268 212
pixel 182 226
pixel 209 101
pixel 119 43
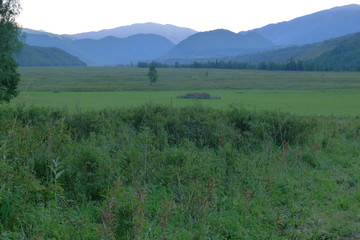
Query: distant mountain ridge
pixel 339 54
pixel 102 48
pixel 28 31
pixel 316 27
pixel 171 32
pixel 106 51
pixel 217 43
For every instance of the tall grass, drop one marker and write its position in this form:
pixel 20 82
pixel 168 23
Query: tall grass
pixel 156 172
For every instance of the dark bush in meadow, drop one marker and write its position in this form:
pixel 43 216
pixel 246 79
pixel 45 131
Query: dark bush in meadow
pixel 199 95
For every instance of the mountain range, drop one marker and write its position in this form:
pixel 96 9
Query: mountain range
pixel 169 44
pixel 341 54
pixel 217 43
pixel 106 51
pixel 173 33
pixel 316 27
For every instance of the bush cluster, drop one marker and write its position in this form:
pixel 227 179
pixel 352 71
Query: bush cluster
pixel 198 95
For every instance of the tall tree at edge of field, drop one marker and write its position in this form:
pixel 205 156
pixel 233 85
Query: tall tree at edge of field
pixel 10 44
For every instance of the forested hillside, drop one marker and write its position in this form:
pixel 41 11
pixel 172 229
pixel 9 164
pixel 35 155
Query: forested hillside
pixel 46 56
pixel 339 54
pixel 217 43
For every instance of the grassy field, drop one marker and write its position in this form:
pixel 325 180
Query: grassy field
pixel 132 78
pixel 340 102
pixel 306 93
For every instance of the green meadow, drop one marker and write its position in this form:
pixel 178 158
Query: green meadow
pixel 132 78
pixel 305 93
pixel 99 153
pixel 343 102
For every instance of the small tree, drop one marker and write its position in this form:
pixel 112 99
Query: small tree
pixel 9 44
pixel 153 76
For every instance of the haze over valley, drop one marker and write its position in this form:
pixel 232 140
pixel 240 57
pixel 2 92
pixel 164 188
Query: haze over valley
pixel 169 44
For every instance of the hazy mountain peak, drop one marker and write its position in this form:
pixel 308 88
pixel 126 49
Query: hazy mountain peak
pixel 217 33
pixel 346 7
pixel 217 43
pixel 109 50
pixel 220 30
pixel 42 32
pixel 27 30
pixel 315 27
pixel 171 32
pixel 149 41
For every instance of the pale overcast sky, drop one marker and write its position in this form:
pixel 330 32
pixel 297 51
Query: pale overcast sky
pixel 74 16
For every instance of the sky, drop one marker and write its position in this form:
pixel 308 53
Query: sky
pixel 75 16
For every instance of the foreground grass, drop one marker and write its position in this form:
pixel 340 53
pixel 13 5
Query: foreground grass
pixel 157 172
pixel 338 102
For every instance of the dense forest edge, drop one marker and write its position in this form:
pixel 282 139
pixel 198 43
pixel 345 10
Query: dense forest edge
pixel 322 64
pixel 157 172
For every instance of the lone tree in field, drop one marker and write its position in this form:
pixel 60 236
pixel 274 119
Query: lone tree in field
pixel 9 44
pixel 153 76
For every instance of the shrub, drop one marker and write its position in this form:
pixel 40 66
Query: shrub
pixel 199 95
pixel 276 126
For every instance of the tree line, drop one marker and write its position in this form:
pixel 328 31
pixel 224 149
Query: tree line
pixel 291 65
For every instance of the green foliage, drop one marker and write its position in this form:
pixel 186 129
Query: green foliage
pixel 9 78
pixel 9 44
pixel 343 57
pixel 156 172
pixel 152 74
pixel 279 127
